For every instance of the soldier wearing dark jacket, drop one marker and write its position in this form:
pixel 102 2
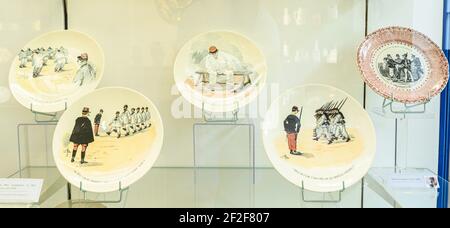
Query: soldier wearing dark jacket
pixel 97 121
pixel 82 134
pixel 292 127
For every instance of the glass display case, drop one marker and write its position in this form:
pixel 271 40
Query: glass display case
pixel 218 159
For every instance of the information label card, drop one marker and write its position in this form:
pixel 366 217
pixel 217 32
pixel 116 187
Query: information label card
pixel 20 191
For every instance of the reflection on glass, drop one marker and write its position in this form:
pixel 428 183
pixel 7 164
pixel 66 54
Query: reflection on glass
pixel 5 55
pixel 5 94
pixel 172 10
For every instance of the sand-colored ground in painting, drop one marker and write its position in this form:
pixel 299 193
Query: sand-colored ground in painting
pixel 49 82
pixel 203 89
pixel 320 154
pixel 109 154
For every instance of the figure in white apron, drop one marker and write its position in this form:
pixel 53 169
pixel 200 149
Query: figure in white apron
pixel 220 67
pixel 86 73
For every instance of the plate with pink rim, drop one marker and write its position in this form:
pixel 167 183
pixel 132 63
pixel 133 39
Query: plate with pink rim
pixel 403 65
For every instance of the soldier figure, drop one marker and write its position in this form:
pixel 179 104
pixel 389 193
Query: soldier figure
pixel 339 129
pixel 115 125
pixel 60 61
pixel 292 127
pixel 126 120
pixel 82 134
pixel 97 122
pixel 148 117
pixel 23 59
pixel 323 128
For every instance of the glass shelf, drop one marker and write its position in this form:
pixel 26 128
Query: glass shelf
pixel 402 196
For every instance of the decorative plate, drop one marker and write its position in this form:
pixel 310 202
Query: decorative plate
pixel 54 70
pixel 403 65
pixel 319 137
pixel 220 71
pixel 120 144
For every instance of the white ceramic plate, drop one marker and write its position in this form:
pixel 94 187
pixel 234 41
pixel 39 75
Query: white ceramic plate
pixel 343 153
pixel 240 61
pixel 48 81
pixel 112 161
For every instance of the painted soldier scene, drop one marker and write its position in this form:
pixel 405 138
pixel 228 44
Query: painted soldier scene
pixel 54 70
pixel 401 67
pixel 109 139
pixel 329 143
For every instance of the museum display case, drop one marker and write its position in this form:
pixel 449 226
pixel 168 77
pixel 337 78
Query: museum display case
pixel 363 83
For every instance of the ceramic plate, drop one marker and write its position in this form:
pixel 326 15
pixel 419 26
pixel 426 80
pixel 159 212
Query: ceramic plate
pixel 121 147
pixel 220 71
pixel 56 69
pixel 336 142
pixel 403 65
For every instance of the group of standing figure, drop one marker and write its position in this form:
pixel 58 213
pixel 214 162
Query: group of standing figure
pixel 130 122
pixel 400 69
pixel 330 123
pixel 40 57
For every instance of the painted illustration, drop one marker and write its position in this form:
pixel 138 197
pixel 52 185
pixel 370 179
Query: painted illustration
pixel 118 143
pixel 40 62
pixel 219 69
pixel 403 65
pixel 402 69
pixel 319 138
pixel 56 69
pixel 331 123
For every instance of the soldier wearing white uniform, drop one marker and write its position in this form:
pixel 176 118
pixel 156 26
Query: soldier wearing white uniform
pixel 115 125
pixel 133 118
pixel 38 63
pixel 51 53
pixel 23 58
pixel 60 61
pixel 221 65
pixel 65 52
pixel 323 128
pixel 29 55
pixel 86 73
pixel 143 118
pixel 339 129
pixel 148 118
pixel 138 119
pixel 126 120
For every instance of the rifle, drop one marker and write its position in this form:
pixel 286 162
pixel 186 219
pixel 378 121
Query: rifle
pixel 300 116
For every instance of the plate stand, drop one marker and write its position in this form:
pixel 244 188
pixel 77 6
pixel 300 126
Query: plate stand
pixel 210 120
pixel 122 194
pixel 332 201
pixel 401 127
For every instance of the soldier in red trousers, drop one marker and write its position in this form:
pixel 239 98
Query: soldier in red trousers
pixel 292 127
